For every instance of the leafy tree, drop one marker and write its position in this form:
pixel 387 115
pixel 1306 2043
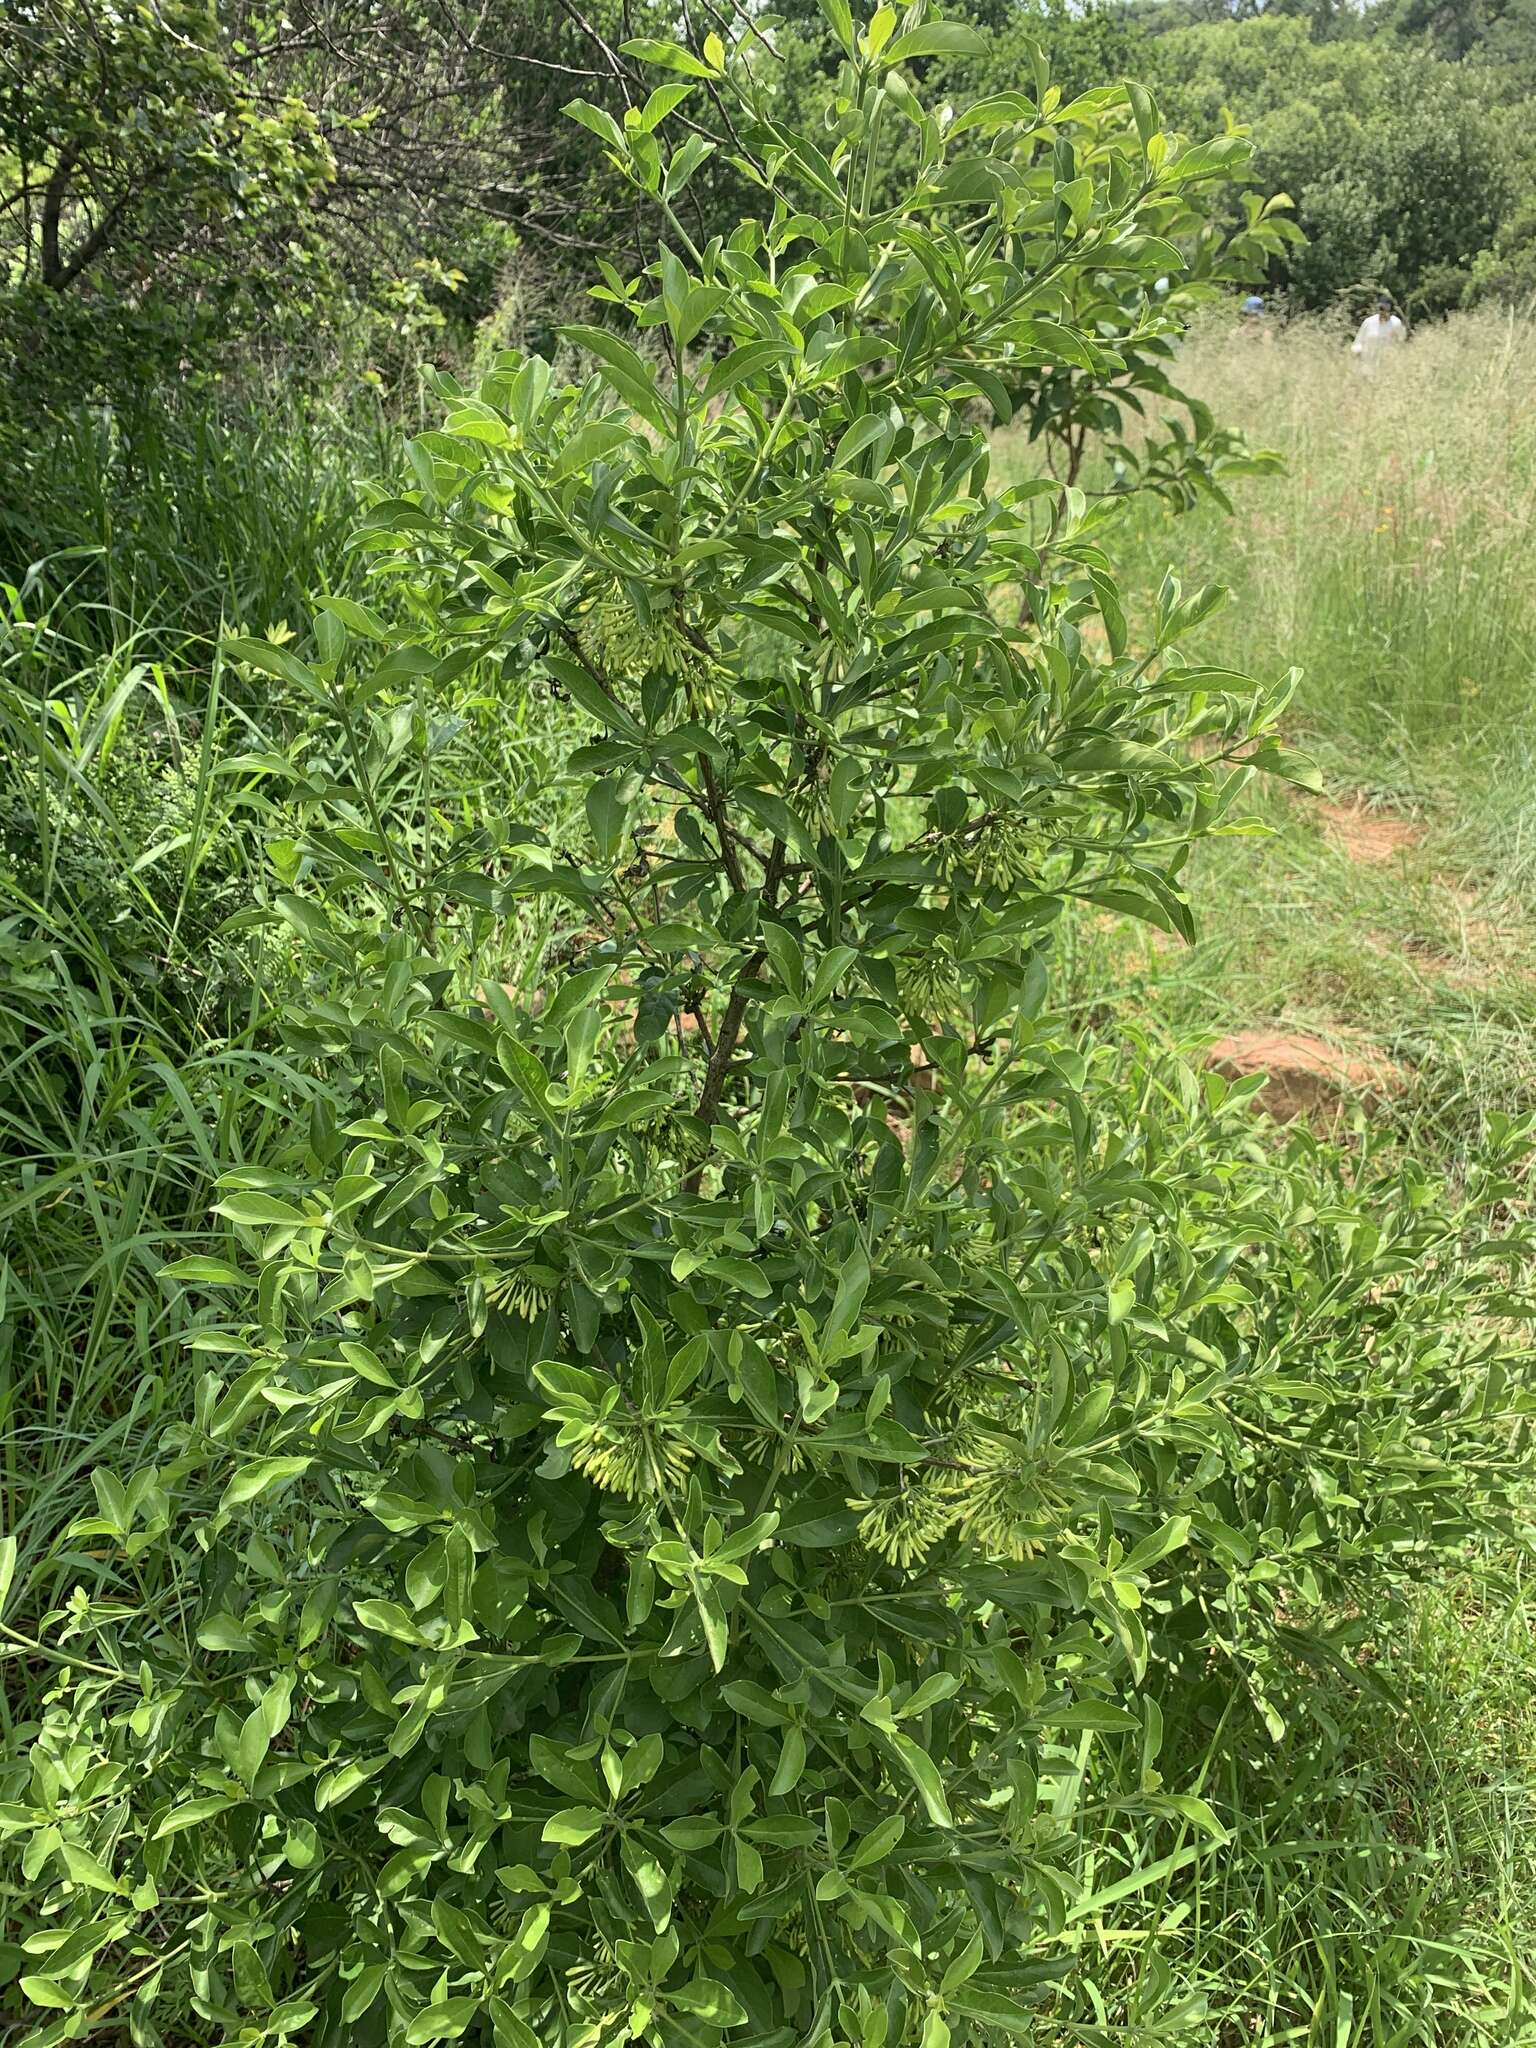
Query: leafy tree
pixel 1081 403
pixel 139 167
pixel 1083 46
pixel 134 143
pixel 189 185
pixel 1401 167
pixel 711 1435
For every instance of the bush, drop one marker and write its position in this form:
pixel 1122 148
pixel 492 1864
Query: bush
pixel 724 1417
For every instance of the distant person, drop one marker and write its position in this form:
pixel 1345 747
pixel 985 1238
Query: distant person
pixel 1255 318
pixel 1378 332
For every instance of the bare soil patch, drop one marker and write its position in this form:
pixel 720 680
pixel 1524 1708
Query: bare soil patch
pixel 1308 1076
pixel 1369 837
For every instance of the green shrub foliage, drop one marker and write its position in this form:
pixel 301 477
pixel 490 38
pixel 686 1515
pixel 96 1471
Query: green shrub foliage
pixel 718 1426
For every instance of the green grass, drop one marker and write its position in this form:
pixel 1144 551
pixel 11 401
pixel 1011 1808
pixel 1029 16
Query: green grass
pixel 1420 962
pixel 142 788
pixel 131 1070
pixel 1380 1886
pixel 157 529
pixel 1375 1885
pixel 1395 563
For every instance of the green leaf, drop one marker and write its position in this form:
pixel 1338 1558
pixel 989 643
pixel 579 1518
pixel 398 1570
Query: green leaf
pixel 574 1825
pixel 783 949
pixel 443 2022
pixel 194 1814
pixel 965 1965
pixel 698 309
pixel 924 1774
pixel 86 1869
pixel 388 1618
pixel 607 814
pixel 641 1764
pixel 598 120
pixel 939 1686
pixel 355 617
pixel 840 19
pixel 685 161
pixel 670 56
pixel 879 1843
pixel 739 1273
pixel 712 1615
pixel 693 1832
pixel 593 699
pixel 1100 1716
pixel 937 39
pixel 590 444
pixel 1288 763
pixel 661 103
pixel 274 661
pixel 852 1286
pixel 1151 1550
pixel 1205 159
pixel 711 2001
pixel 251 1749
pixel 740 365
pixel 261 1475
pixel 623 367
pixel 362 1991
pixel 995 2009
pixel 510 2031
pixel 206 1272
pixel 304 916
pixel 47 1991
pixel 1144 112
pixel 791 1763
pixel 430 1695
pixel 632 1106
pixel 743 1697
pixel 223 1632
pixel 252 1207
pixel 1200 1812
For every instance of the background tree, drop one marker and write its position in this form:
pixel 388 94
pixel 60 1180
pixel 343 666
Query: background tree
pixel 141 171
pixel 1401 166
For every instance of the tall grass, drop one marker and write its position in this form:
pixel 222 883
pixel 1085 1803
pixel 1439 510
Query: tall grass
pixel 159 523
pixel 142 974
pixel 1380 1892
pixel 131 1069
pixel 1395 561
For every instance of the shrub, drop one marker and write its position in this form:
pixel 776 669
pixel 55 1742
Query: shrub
pixel 718 1429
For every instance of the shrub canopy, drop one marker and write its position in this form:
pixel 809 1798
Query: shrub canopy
pixel 723 1420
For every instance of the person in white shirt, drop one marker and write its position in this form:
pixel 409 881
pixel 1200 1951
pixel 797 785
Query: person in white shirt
pixel 1378 331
